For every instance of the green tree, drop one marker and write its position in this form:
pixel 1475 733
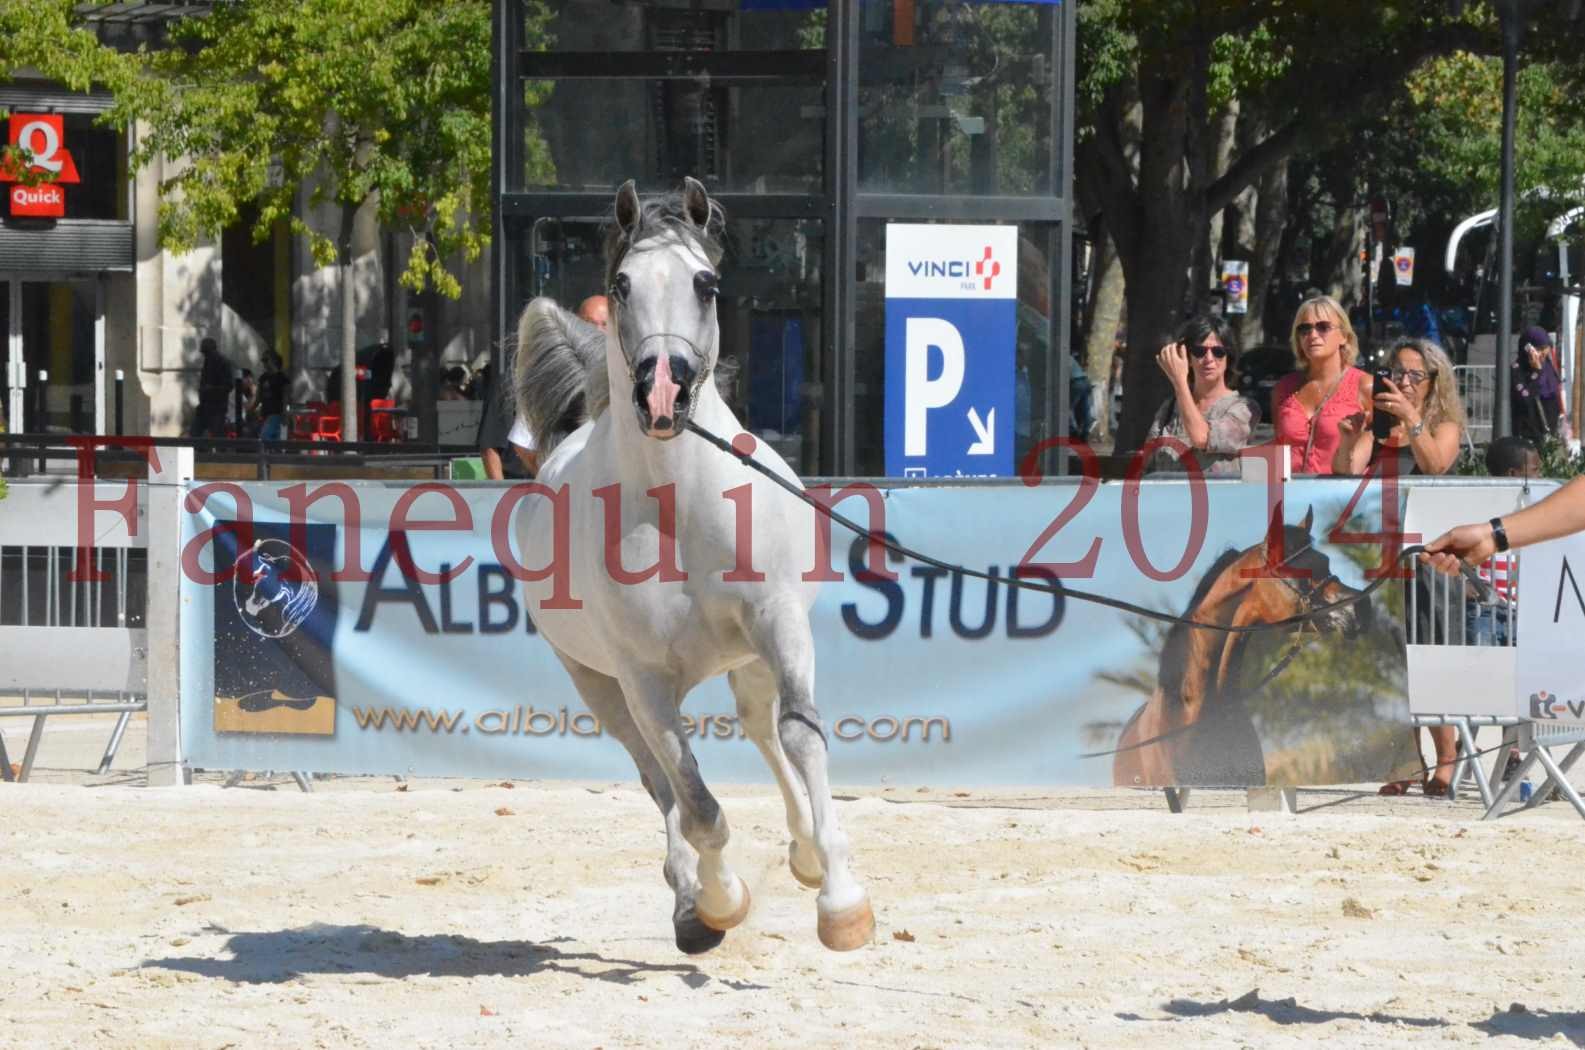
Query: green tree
pixel 363 103
pixel 1155 78
pixel 52 39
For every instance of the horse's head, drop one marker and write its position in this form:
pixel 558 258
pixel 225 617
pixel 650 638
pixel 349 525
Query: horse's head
pixel 1304 581
pixel 662 258
pixel 263 582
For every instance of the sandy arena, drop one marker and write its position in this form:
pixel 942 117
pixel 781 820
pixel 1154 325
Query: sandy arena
pixel 445 914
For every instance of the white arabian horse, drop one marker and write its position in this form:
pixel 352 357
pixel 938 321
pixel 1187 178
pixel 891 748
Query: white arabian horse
pixel 609 412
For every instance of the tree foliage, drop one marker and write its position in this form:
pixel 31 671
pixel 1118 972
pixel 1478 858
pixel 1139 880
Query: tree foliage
pixel 350 101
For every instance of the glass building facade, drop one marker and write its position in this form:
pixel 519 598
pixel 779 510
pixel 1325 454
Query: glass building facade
pixel 815 125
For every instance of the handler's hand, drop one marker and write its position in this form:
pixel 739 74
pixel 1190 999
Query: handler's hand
pixel 1465 545
pixel 1174 361
pixel 1352 425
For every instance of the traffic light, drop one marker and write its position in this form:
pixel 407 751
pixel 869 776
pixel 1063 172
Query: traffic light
pixel 417 330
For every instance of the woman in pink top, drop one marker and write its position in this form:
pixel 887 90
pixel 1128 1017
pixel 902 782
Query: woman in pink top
pixel 1308 405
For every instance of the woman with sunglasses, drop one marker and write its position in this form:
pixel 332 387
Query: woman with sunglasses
pixel 1308 405
pixel 1428 426
pixel 1428 417
pixel 1203 412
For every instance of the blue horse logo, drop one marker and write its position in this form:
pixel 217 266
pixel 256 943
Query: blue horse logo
pixel 275 588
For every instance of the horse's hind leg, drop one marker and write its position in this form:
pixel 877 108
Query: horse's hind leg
pixel 783 639
pixel 603 696
pixel 654 701
pixel 754 686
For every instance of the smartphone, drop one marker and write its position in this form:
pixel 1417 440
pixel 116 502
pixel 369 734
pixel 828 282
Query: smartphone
pixel 1381 423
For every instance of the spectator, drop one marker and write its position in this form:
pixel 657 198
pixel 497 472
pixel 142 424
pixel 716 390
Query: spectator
pixel 270 401
pixel 596 310
pixel 1203 412
pixel 214 390
pixel 1308 405
pixel 239 406
pixel 494 425
pixel 1536 391
pixel 451 388
pixel 1428 417
pixel 1428 427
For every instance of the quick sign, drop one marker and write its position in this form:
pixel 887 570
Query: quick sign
pixel 42 135
pixel 951 337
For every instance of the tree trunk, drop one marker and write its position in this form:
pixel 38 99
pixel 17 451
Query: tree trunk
pixel 1107 294
pixel 1208 252
pixel 349 327
pixel 1267 223
pixel 426 364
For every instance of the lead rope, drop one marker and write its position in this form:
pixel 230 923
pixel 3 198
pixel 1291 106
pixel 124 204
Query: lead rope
pixel 879 539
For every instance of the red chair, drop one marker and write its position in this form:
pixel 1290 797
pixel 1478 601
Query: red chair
pixel 329 428
pixel 305 421
pixel 384 420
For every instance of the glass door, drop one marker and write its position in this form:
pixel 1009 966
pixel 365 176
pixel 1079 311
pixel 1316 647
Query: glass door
pixel 52 360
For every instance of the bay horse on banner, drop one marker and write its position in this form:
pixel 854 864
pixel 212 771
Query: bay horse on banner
pixel 652 546
pixel 1196 730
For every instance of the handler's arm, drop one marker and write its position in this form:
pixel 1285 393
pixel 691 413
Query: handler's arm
pixel 1560 514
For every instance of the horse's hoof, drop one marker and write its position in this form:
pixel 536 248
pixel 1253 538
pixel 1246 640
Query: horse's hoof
pixel 813 881
pixel 726 922
pixel 848 929
pixel 693 936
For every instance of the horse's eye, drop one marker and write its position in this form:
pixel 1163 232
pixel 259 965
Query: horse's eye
pixel 706 285
pixel 620 287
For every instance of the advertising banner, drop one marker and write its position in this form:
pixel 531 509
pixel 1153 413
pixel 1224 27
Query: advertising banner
pixel 951 340
pixel 1403 265
pixel 384 633
pixel 1550 679
pixel 1235 282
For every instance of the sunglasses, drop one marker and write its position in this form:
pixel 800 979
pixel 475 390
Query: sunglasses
pixel 1322 328
pixel 1208 348
pixel 1411 376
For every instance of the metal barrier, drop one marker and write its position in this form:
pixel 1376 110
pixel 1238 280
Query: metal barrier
pixel 1477 388
pixel 1462 653
pixel 78 641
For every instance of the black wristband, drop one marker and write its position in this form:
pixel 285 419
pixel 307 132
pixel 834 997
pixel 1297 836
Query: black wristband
pixel 1499 535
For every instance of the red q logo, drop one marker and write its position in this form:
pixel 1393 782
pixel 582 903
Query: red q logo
pixel 987 268
pixel 43 136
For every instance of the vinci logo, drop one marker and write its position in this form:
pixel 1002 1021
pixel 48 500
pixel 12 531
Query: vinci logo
pixel 1544 705
pixel 985 270
pixel 42 136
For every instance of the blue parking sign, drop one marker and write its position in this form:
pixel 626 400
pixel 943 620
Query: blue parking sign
pixel 951 339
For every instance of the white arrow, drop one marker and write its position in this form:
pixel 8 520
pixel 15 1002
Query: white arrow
pixel 986 445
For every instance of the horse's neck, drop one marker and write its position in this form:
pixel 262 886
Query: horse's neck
pixel 1212 657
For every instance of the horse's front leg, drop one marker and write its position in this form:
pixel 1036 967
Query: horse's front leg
pixel 754 686
pixel 602 695
pixel 654 701
pixel 781 636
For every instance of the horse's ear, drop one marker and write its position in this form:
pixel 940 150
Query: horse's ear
pixel 627 206
pixel 1309 520
pixel 695 202
pixel 1274 527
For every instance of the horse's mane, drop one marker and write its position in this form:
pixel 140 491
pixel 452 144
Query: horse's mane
pixel 559 375
pixel 664 215
pixel 1175 653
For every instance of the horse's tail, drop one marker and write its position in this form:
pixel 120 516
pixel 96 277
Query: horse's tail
pixel 560 375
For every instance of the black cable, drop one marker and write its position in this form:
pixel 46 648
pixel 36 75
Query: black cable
pixel 1062 589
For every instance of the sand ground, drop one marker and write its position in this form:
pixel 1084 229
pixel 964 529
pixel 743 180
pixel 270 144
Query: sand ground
pixel 466 914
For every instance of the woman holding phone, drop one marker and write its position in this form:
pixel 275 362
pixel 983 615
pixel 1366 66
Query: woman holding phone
pixel 1416 417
